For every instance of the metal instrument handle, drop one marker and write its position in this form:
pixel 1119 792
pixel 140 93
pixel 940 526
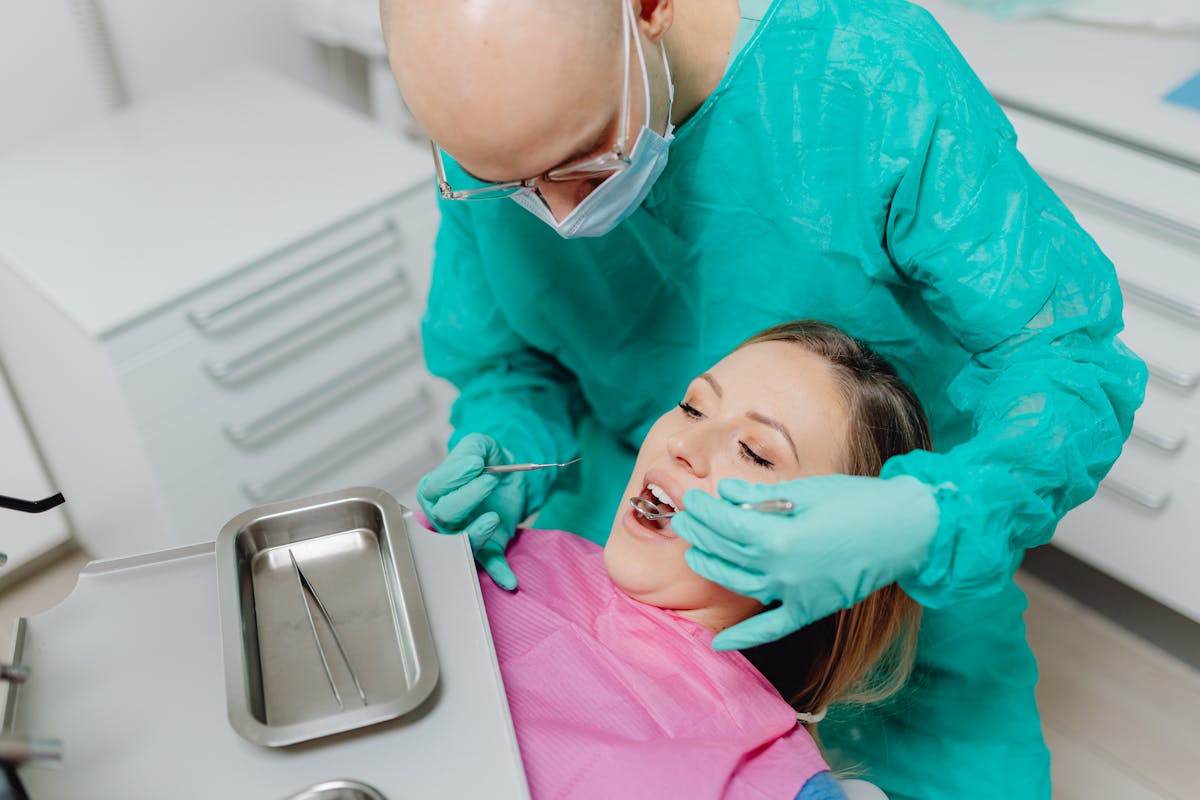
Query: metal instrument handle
pixel 502 469
pixel 358 441
pixel 347 314
pixel 1154 502
pixel 772 506
pixel 341 385
pixel 228 313
pixel 1184 380
pixel 1166 442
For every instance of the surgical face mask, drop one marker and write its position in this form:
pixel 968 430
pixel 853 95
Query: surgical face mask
pixel 616 198
pixel 621 193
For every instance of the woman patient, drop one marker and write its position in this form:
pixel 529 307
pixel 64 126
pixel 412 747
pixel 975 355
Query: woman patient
pixel 606 655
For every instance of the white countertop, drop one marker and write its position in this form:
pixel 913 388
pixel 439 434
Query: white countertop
pixel 116 218
pixel 1109 79
pixel 128 672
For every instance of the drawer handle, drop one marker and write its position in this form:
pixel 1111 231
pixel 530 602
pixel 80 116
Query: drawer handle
pixel 414 468
pixel 357 309
pixel 1150 500
pixel 1165 225
pixel 345 383
pixel 1182 307
pixel 358 441
pixel 1107 203
pixel 388 237
pixel 1175 377
pixel 1165 442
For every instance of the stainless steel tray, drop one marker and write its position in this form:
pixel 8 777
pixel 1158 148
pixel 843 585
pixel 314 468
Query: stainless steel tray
pixel 353 549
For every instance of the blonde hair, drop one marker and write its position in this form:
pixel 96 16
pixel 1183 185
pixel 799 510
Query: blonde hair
pixel 862 654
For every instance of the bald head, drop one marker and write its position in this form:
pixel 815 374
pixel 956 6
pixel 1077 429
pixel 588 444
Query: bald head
pixel 510 88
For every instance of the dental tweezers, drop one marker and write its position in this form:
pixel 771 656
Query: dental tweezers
pixel 305 586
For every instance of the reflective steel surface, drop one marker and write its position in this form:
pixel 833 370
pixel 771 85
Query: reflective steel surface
pixel 354 551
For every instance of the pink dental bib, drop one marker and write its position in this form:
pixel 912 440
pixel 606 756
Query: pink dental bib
pixel 612 698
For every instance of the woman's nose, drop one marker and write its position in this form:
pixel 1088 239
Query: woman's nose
pixel 687 447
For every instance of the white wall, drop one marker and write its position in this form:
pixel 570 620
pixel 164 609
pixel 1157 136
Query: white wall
pixel 162 43
pixel 49 80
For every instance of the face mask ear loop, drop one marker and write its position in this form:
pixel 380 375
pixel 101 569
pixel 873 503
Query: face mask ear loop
pixel 628 29
pixel 670 88
pixel 641 53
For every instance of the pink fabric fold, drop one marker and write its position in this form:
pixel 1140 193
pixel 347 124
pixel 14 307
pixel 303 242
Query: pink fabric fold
pixel 612 698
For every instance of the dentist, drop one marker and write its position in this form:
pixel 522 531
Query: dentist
pixel 631 187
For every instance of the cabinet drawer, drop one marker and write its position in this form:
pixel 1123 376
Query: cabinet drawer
pixel 1152 546
pixel 281 289
pixel 202 503
pixel 1157 259
pixel 374 312
pixel 263 446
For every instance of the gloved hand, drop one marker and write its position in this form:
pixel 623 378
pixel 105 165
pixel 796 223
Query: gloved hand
pixel 459 497
pixel 847 536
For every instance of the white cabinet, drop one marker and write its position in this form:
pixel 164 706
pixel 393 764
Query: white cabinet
pixel 1145 213
pixel 1087 103
pixel 212 301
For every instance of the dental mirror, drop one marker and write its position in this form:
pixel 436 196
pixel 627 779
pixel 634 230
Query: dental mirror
pixel 650 510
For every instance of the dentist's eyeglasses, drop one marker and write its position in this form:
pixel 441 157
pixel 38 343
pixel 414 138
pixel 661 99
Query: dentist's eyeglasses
pixel 586 168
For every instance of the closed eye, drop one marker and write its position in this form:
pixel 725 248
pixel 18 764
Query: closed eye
pixel 755 458
pixel 690 410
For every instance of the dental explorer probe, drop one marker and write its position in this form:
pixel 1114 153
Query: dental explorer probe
pixel 501 469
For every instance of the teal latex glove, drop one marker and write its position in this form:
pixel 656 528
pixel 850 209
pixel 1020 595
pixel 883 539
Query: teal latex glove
pixel 847 537
pixel 459 497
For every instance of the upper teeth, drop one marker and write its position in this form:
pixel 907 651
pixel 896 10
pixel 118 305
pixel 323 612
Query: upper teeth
pixel 661 496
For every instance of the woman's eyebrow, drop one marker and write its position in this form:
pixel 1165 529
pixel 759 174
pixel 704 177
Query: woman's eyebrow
pixel 765 420
pixel 716 387
pixel 754 415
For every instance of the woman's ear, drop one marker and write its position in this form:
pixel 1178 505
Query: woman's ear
pixel 654 17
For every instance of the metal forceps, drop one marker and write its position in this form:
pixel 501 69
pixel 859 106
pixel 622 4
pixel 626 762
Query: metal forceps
pixel 305 586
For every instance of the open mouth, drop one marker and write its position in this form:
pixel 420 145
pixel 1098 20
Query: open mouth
pixel 657 497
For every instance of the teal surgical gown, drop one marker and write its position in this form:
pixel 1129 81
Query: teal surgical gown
pixel 851 168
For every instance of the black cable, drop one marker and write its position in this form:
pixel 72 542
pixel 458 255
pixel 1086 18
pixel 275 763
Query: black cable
pixel 32 506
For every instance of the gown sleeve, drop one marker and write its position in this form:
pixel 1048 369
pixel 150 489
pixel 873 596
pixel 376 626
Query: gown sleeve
pixel 1051 389
pixel 821 786
pixel 518 395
